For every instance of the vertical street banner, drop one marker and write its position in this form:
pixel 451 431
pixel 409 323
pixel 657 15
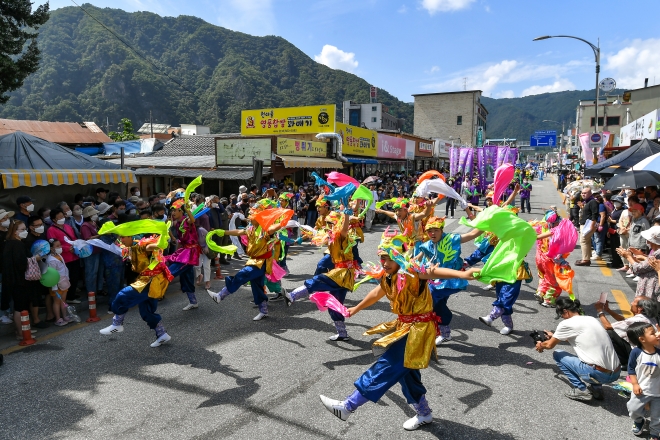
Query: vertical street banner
pixel 587 153
pixel 506 155
pixel 453 161
pixel 465 158
pixel 486 163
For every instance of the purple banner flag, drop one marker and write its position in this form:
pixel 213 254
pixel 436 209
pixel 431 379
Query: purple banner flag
pixel 462 156
pixel 469 161
pixel 453 161
pixel 486 162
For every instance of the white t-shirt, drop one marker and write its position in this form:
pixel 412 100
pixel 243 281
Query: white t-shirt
pixel 590 341
pixel 372 207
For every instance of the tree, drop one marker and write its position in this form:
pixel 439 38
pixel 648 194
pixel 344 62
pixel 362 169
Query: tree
pixel 18 28
pixel 126 134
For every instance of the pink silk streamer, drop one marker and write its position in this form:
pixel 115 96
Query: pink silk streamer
pixel 325 301
pixel 563 240
pixel 276 274
pixel 341 179
pixel 503 176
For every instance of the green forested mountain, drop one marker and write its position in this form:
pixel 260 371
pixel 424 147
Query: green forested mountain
pixel 87 75
pixel 520 117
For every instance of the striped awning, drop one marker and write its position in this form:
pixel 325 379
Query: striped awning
pixel 309 162
pixel 15 178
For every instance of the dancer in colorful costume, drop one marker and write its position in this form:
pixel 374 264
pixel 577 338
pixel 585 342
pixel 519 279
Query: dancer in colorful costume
pixel 444 250
pixel 554 271
pixel 265 220
pixel 183 261
pixel 409 341
pixel 154 277
pixel 408 223
pixel 341 278
pixel 321 227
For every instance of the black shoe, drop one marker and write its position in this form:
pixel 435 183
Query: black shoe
pixel 596 392
pixel 224 262
pixel 41 324
pixel 278 297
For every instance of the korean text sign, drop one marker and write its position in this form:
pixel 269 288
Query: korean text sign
pixel 358 141
pixel 288 120
pixel 297 147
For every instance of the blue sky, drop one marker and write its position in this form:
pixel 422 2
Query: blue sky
pixel 424 46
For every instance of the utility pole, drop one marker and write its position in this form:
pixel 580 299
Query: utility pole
pixel 151 123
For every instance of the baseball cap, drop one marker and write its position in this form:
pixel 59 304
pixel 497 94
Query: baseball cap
pixel 24 199
pixel 636 207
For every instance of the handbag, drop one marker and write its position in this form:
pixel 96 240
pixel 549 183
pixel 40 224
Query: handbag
pixel 33 273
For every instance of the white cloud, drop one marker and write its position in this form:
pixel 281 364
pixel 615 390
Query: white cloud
pixel 639 60
pixel 254 18
pixel 434 6
pixel 336 58
pixel 557 86
pixel 432 70
pixel 491 77
pixel 403 9
pixel 505 94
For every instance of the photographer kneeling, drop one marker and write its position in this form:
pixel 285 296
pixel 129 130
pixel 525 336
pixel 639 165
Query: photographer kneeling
pixel 596 362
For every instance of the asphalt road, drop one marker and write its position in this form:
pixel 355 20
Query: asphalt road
pixel 225 376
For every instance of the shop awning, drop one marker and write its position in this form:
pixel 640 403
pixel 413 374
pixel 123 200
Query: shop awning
pixel 14 178
pixel 309 162
pixel 362 160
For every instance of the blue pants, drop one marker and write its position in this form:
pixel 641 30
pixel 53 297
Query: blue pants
pixel 93 273
pixel 387 371
pixel 321 283
pixel 507 294
pixel 129 297
pixel 525 202
pixel 440 297
pixel 579 373
pixel 324 265
pixel 256 277
pixel 186 274
pixel 478 256
pixel 114 278
pixel 311 218
pixel 356 254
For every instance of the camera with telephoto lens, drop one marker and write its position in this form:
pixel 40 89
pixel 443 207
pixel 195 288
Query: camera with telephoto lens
pixel 539 336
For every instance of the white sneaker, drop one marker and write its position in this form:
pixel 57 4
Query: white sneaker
pixel 336 407
pixel 506 330
pixel 486 320
pixel 488 287
pixel 160 341
pixel 214 296
pixel 190 307
pixel 339 338
pixel 630 275
pixel 112 329
pixel 417 421
pixel 260 316
pixel 6 320
pixel 636 279
pixel 440 339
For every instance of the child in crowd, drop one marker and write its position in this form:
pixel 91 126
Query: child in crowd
pixel 56 261
pixel 644 372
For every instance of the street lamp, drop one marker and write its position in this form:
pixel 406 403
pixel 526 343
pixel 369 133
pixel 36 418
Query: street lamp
pixel 596 50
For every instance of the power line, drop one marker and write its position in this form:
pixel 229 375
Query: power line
pixel 158 69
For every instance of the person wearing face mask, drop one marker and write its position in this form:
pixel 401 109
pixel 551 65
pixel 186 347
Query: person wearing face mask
pixel 25 208
pixel 203 220
pixel 36 231
pixel 68 217
pixel 118 208
pixel 217 220
pixel 14 264
pixel 76 220
pixel 58 291
pixel 613 234
pixel 62 232
pixel 135 191
pixel 5 222
pixel 93 269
